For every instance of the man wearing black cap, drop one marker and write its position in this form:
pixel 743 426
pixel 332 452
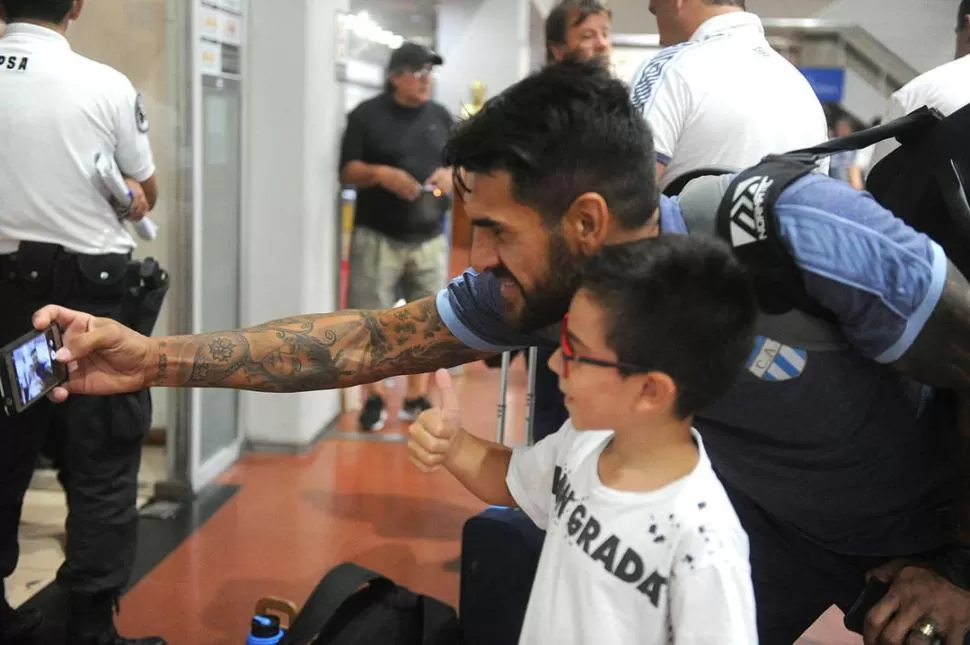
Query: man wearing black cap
pixel 391 152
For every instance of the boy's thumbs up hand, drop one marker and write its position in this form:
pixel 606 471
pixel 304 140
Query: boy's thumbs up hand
pixel 434 432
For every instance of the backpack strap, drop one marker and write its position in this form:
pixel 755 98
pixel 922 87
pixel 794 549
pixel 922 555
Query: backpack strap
pixel 746 219
pixel 339 585
pixel 439 622
pixel 913 124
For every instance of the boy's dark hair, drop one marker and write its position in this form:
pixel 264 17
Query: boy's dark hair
pixel 565 130
pixel 726 3
pixel 558 21
pixel 678 304
pixel 41 10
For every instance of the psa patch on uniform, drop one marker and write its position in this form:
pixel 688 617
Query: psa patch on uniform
pixel 141 117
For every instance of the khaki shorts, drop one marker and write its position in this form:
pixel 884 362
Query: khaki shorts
pixel 383 269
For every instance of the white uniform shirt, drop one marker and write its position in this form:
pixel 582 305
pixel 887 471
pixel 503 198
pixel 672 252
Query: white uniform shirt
pixel 725 99
pixel 945 88
pixel 623 568
pixel 57 110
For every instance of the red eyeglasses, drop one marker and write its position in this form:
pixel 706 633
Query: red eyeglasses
pixel 569 355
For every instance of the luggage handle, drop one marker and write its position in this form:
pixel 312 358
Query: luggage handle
pixel 530 399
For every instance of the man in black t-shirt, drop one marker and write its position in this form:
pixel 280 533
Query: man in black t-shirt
pixel 391 152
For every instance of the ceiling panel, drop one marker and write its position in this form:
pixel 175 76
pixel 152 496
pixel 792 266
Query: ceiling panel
pixel 408 18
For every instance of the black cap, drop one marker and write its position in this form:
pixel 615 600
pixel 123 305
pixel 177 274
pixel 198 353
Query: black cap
pixel 265 626
pixel 413 56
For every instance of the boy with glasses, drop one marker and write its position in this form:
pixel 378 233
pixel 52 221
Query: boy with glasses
pixel 642 544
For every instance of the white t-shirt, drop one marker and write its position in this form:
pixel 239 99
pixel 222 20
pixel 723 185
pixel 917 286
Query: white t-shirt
pixel 945 88
pixel 57 110
pixel 621 568
pixel 725 99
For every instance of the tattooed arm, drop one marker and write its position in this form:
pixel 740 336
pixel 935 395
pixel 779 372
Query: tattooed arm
pixel 314 352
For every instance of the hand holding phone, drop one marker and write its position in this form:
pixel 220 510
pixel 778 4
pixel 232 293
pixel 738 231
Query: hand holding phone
pixel 28 370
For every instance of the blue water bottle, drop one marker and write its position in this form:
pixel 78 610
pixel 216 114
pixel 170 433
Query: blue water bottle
pixel 265 630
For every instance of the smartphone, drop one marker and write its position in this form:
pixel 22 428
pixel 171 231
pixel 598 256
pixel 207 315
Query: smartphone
pixel 855 618
pixel 28 371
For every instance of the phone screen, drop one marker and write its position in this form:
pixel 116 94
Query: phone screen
pixel 34 371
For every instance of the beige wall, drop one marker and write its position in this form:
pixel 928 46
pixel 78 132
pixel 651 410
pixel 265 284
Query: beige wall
pixel 132 37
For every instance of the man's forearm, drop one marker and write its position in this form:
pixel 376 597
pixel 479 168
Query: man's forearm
pixel 312 352
pixel 363 175
pixel 481 466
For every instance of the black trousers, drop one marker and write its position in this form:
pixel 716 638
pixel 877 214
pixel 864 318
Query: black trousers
pixel 95 441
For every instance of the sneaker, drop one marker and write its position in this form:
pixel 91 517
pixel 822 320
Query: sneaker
pixel 413 407
pixel 374 414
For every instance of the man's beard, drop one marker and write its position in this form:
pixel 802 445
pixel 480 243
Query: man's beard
pixel 548 301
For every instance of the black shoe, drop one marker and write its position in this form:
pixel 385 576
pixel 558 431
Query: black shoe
pixel 19 626
pixel 414 407
pixel 91 622
pixel 374 414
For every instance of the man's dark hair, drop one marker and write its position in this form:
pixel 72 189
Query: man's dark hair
pixel 565 130
pixel 962 14
pixel 40 10
pixel 677 304
pixel 558 21
pixel 726 3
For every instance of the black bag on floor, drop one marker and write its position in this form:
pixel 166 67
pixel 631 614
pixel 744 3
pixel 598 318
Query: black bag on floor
pixel 500 550
pixel 355 606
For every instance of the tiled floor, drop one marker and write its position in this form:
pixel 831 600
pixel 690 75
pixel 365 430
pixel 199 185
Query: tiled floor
pixel 42 526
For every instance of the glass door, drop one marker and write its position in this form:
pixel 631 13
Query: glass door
pixel 216 233
pixel 218 264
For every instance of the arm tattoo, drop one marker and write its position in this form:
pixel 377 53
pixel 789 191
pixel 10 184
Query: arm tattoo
pixel 315 352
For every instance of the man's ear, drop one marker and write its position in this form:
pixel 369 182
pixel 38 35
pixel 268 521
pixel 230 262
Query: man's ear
pixel 586 223
pixel 75 10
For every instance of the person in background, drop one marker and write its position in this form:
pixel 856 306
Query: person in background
pixel 391 152
pixel 580 27
pixel 845 165
pixel 60 239
pixel 945 88
pixel 638 526
pixel 718 96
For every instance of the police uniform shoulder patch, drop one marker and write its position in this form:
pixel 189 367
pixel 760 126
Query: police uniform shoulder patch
pixel 141 117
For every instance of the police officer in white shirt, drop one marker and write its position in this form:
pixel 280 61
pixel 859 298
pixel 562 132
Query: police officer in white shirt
pixel 718 95
pixel 945 88
pixel 60 240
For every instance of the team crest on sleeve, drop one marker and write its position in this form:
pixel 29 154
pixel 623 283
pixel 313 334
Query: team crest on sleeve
pixel 141 116
pixel 772 361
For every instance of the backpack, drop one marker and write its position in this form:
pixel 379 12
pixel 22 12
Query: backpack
pixel 923 182
pixel 356 606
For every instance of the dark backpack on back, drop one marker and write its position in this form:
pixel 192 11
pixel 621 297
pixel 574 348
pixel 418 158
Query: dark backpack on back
pixel 923 182
pixel 355 606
